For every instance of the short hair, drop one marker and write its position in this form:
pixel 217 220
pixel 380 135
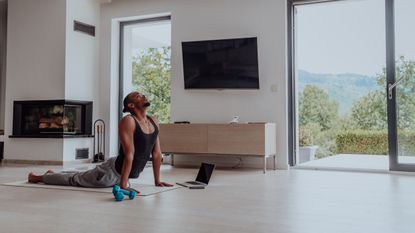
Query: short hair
pixel 126 101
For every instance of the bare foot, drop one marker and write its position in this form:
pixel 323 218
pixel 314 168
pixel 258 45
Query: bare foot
pixel 49 172
pixel 32 178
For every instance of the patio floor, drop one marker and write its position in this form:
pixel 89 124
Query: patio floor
pixel 376 163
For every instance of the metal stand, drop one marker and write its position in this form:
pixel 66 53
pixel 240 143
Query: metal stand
pixel 99 141
pixel 275 158
pixel 265 163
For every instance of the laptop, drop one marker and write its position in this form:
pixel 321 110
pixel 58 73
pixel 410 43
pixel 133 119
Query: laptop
pixel 202 179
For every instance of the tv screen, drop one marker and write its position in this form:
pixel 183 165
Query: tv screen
pixel 221 64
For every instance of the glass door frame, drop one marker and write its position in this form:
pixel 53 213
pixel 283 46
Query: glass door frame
pixel 121 55
pixel 394 164
pixel 291 66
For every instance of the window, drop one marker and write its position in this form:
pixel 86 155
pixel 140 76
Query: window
pixel 145 63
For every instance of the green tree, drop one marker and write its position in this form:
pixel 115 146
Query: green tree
pixel 315 106
pixel 151 77
pixel 369 112
pixel 405 92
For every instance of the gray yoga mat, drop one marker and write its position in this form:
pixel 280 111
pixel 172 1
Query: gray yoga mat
pixel 145 189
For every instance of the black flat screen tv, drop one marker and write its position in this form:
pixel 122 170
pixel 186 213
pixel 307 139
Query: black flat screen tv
pixel 221 64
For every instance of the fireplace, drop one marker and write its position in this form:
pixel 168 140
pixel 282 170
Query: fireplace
pixel 52 119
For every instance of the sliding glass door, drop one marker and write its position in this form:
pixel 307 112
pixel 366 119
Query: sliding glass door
pixel 401 83
pixel 380 121
pixel 339 84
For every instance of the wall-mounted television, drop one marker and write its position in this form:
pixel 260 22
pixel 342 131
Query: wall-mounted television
pixel 221 64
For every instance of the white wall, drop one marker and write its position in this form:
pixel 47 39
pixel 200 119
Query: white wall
pixel 109 85
pixel 82 52
pixel 3 38
pixel 201 20
pixel 82 65
pixel 35 69
pixel 46 59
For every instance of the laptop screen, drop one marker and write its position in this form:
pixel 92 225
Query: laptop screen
pixel 205 172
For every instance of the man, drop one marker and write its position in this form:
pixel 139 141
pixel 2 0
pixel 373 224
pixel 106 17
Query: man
pixel 138 134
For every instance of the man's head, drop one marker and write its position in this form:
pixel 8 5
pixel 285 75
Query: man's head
pixel 135 102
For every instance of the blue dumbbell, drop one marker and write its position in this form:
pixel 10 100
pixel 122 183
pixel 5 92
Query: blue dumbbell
pixel 119 193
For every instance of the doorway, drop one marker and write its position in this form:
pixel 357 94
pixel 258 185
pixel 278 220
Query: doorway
pixel 342 59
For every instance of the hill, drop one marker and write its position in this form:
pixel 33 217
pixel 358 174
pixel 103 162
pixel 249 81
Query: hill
pixel 343 88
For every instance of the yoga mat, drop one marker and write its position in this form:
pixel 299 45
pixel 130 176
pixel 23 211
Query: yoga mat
pixel 145 189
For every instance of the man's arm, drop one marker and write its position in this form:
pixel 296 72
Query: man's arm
pixel 126 134
pixel 156 155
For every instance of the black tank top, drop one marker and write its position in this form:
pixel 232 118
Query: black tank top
pixel 143 146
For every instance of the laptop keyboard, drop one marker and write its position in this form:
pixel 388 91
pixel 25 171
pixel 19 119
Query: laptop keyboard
pixel 193 182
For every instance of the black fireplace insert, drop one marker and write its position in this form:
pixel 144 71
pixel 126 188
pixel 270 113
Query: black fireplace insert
pixel 52 119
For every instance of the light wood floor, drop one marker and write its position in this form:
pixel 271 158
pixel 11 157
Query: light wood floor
pixel 236 201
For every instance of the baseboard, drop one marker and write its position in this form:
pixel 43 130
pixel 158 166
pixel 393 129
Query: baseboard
pixel 31 162
pixel 78 161
pixel 45 162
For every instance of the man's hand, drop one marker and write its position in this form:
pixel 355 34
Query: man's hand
pixel 135 190
pixel 163 184
pixel 128 188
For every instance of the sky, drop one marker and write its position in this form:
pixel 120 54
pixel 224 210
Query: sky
pixel 349 36
pixel 150 35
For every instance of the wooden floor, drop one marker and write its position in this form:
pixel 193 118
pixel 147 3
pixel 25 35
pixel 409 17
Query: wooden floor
pixel 236 201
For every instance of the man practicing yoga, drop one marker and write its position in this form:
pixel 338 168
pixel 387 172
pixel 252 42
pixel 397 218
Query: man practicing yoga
pixel 139 138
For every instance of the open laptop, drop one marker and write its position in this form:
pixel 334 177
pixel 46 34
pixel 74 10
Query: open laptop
pixel 202 179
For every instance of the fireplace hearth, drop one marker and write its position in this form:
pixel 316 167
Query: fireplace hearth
pixel 52 119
